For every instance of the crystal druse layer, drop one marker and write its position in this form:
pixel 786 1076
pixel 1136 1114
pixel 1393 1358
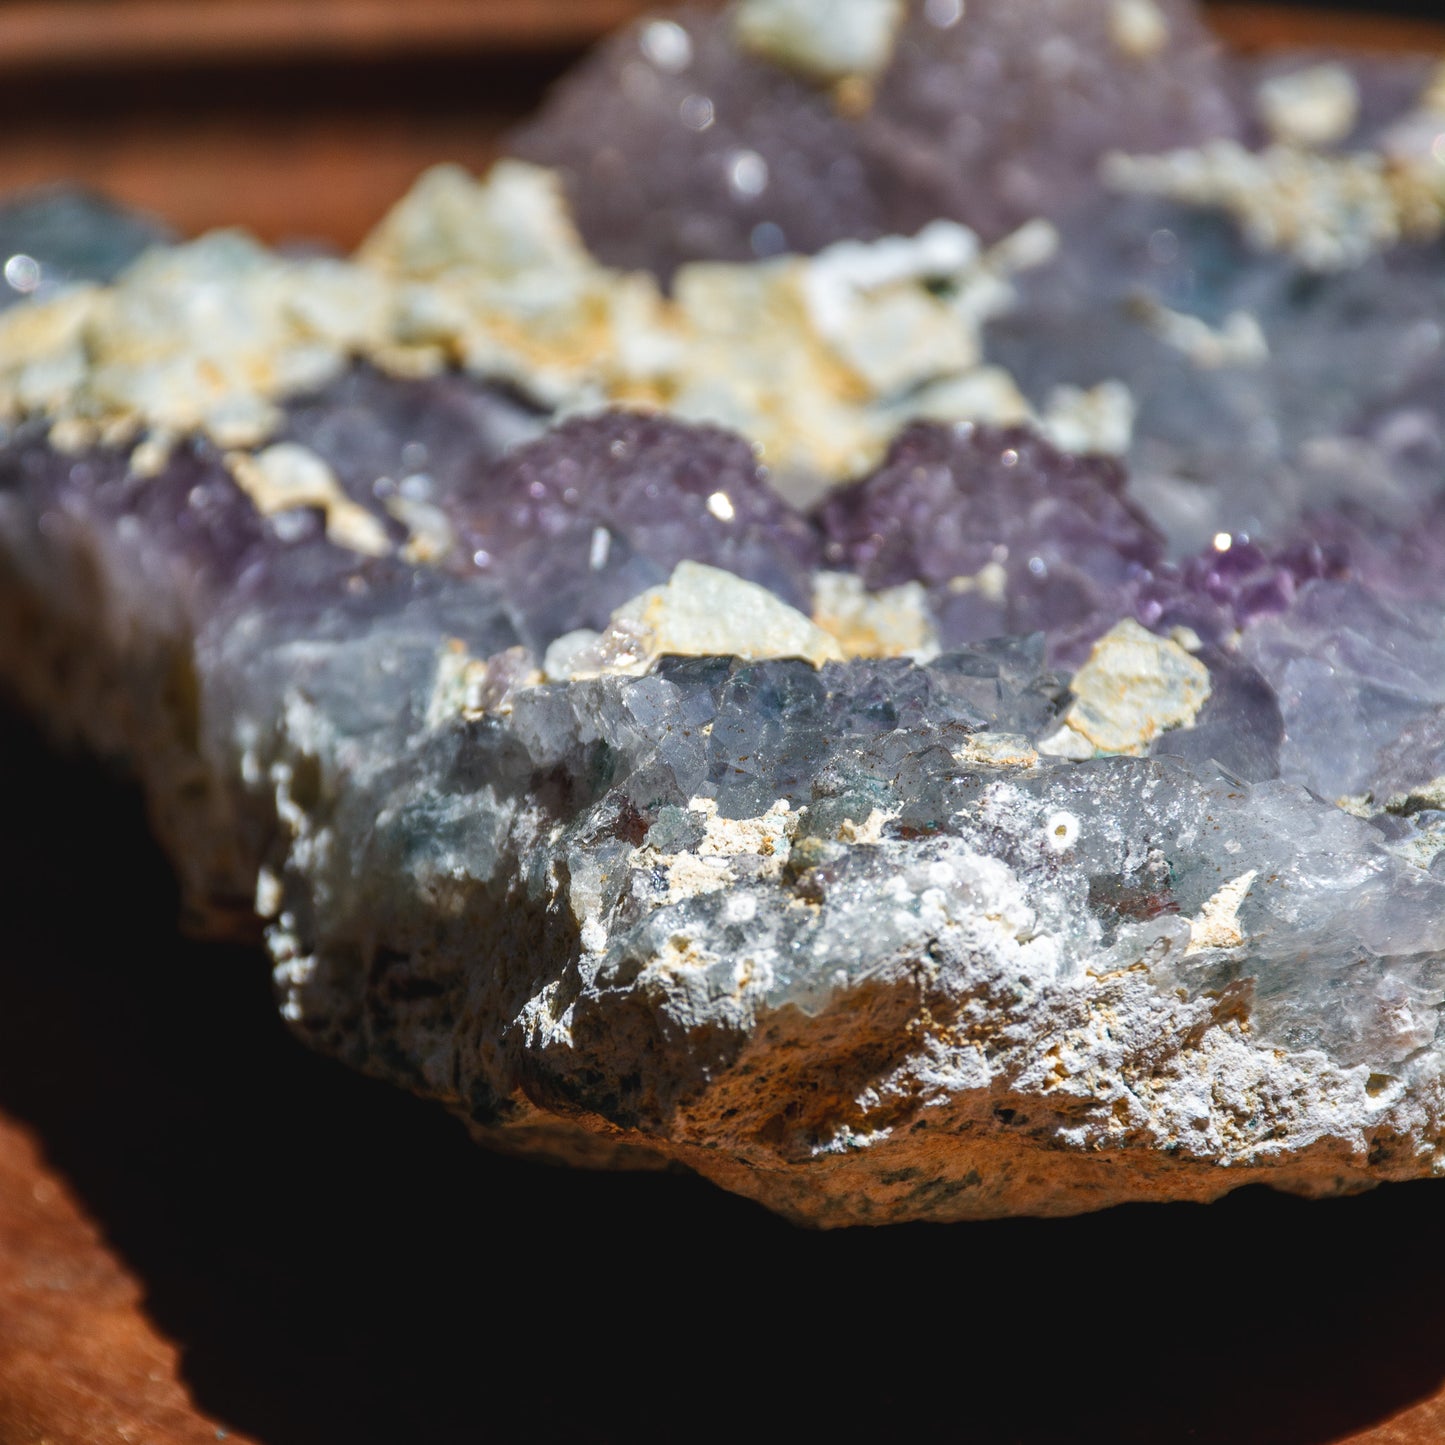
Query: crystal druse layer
pixel 910 709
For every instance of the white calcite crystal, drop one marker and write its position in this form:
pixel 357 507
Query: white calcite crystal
pixel 1330 210
pixel 819 360
pixel 825 40
pixel 1217 925
pixel 896 622
pixel 1317 106
pixel 1238 341
pixel 286 478
pixel 700 612
pixel 200 337
pixel 1133 687
pixel 1138 27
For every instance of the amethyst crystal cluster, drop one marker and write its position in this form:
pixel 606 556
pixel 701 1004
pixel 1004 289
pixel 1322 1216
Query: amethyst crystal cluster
pixel 677 144
pixel 1016 828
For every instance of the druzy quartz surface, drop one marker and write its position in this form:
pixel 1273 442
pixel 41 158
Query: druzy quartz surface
pixel 909 679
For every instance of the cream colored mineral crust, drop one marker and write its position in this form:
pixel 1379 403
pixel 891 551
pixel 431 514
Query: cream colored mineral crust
pixel 896 622
pixel 284 477
pixel 1238 341
pixel 700 612
pixel 1218 923
pixel 825 40
pixel 1331 211
pixel 1133 687
pixel 1317 106
pixel 1138 27
pixel 819 360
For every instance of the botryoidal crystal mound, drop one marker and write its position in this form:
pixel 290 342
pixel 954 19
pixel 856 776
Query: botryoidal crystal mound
pixel 927 729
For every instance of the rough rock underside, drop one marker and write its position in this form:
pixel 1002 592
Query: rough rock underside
pixel 909 678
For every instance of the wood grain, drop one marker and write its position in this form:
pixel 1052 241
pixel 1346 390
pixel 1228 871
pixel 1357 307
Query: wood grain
pixel 80 1362
pixel 1266 27
pixel 331 178
pixel 59 35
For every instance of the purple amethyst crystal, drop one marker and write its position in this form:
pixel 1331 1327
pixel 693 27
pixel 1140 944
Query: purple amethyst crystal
pixel 1251 441
pixel 428 440
pixel 676 147
pixel 1233 583
pixel 603 507
pixel 1008 534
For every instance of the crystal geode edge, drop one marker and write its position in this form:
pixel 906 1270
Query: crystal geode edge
pixel 945 850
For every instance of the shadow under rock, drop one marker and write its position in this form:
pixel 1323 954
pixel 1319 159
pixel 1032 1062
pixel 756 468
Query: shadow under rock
pixel 338 1262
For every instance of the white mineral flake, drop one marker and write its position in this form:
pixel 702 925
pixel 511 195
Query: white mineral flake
pixel 766 836
pixel 700 611
pixel 706 869
pixel 570 654
pixel 822 360
pixel 1330 211
pixel 431 537
pixel 740 908
pixel 1217 925
pixel 895 622
pixel 1133 687
pixel 193 338
pixel 981 394
pixel 457 689
pixel 287 476
pixel 292 970
pixel 593 935
pixel 150 456
pixel 819 360
pixel 269 894
pixel 514 224
pixel 1138 27
pixel 1238 341
pixel 1314 107
pixel 997 750
pixel 990 582
pixel 844 277
pixel 42 351
pixel 825 40
pixel 847 1139
pixel 542 1022
pixel 902 311
pixel 868 833
pixel 1097 419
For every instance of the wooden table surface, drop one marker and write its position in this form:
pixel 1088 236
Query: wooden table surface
pixel 206 1233
pixel 307 118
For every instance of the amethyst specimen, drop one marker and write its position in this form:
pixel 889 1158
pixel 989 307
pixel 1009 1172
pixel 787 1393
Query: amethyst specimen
pixel 889 937
pixel 1009 535
pixel 675 148
pixel 602 508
